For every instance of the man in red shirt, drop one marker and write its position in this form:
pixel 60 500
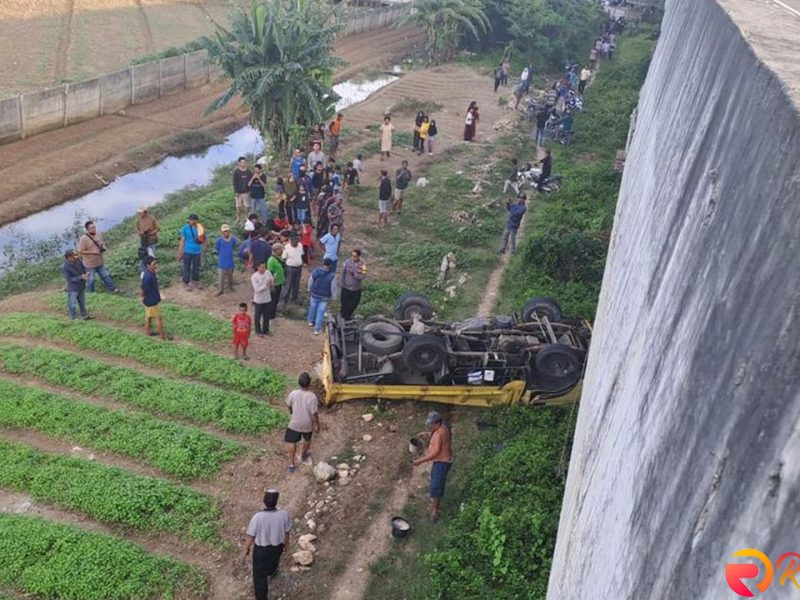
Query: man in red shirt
pixel 242 325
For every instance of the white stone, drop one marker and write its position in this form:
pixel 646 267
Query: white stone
pixel 368 417
pixel 343 473
pixel 341 466
pixel 324 472
pixel 303 557
pixel 311 524
pixel 306 542
pixel 366 437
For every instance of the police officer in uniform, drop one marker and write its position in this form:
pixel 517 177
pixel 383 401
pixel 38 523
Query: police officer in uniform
pixel 267 536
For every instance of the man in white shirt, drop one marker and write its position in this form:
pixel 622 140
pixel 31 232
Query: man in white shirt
pixel 315 156
pixel 267 536
pixel 303 406
pixel 293 260
pixel 586 73
pixel 262 296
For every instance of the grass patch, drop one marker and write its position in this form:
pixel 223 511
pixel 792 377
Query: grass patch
pixel 184 360
pixel 108 494
pixel 182 451
pixel 230 411
pixel 52 560
pixel 411 106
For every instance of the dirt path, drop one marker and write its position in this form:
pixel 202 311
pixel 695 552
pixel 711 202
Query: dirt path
pixel 116 144
pixel 145 24
pixel 64 40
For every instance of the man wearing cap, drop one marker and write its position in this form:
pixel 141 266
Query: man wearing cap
pixel 147 228
pixel 515 212
pixel 76 276
pixel 225 246
pixel 441 455
pixel 190 249
pixel 266 537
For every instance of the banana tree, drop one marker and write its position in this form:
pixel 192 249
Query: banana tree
pixel 444 22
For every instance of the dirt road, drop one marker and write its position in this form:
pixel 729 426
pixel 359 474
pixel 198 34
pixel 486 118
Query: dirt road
pixel 48 169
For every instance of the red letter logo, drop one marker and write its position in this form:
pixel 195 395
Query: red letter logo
pixel 734 573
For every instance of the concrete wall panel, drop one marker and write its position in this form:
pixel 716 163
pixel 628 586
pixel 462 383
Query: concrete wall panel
pixel 43 110
pixel 196 69
pixel 83 100
pixel 687 439
pixel 116 90
pixel 172 75
pixel 146 82
pixel 9 120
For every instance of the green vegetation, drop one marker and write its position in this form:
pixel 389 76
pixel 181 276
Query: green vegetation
pixel 177 449
pixel 51 560
pixel 108 494
pixel 445 22
pixel 230 411
pixel 500 544
pixel 184 360
pixel 280 58
pixel 564 253
pixel 187 48
pixel 187 323
pixel 441 218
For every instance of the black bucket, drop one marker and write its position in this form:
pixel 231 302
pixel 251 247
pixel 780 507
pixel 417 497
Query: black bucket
pixel 400 527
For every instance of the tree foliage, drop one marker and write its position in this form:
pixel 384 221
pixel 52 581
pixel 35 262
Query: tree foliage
pixel 445 22
pixel 279 56
pixel 547 31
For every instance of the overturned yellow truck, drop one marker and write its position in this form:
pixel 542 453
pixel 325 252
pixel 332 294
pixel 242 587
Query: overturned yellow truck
pixel 536 357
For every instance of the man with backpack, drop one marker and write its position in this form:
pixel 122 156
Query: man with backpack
pixel 190 249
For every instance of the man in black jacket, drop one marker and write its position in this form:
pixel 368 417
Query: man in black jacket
pixel 76 276
pixel 241 189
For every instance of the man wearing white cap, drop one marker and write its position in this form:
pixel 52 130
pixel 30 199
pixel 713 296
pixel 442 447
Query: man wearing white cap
pixel 441 455
pixel 267 536
pixel 147 228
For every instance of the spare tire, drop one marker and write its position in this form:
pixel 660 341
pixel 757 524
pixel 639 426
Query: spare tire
pixel 410 303
pixel 382 337
pixel 424 353
pixel 544 307
pixel 559 365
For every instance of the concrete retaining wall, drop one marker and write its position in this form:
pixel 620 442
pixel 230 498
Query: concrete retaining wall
pixel 10 120
pixel 116 91
pixel 83 101
pixel 43 110
pixel 687 439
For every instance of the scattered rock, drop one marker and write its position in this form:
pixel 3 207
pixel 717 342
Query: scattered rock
pixel 366 437
pixel 295 569
pixel 320 505
pixel 311 524
pixel 393 428
pixel 324 472
pixel 341 466
pixel 306 540
pixel 308 515
pixel 303 557
pixel 380 424
pixel 343 473
pixel 344 481
pixel 368 417
pixel 357 457
pixel 321 528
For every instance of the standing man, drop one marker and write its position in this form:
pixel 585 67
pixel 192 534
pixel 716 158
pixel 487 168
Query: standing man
pixel 335 129
pixel 91 248
pixel 316 156
pixel 512 181
pixel 262 297
pixel 258 193
pixel 275 267
pixel 401 181
pixel 295 163
pixel 293 259
pixel 147 228
pixel 384 195
pixel 303 406
pixel 542 117
pixel 547 169
pixel 441 455
pixel 76 276
pixel 585 74
pixel 225 246
pixel 267 536
pixel 151 298
pixel 190 250
pixel 330 241
pixel 353 273
pixel 515 212
pixel 241 189
pixel 260 249
pixel 321 284
pixel 336 212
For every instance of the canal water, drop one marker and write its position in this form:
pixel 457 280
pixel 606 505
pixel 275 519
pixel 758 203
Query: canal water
pixel 115 202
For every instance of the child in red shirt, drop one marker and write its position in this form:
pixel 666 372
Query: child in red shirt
pixel 242 325
pixel 307 241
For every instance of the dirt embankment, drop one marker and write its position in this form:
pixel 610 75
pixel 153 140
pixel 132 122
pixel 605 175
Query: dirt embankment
pixel 48 169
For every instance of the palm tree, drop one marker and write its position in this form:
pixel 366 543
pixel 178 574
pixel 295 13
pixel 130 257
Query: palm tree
pixel 444 22
pixel 279 56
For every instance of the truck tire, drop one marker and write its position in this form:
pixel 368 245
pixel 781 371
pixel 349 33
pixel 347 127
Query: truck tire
pixel 424 354
pixel 545 307
pixel 558 365
pixel 410 303
pixel 382 337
